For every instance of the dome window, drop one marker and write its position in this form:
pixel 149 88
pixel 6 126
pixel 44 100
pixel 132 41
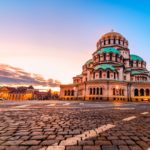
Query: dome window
pixel 108 74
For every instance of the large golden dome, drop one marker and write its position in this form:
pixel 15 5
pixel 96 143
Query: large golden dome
pixel 112 39
pixel 112 35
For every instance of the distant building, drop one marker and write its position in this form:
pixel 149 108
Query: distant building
pixel 24 93
pixel 20 93
pixel 111 74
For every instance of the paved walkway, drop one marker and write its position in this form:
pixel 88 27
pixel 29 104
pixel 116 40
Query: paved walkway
pixel 66 125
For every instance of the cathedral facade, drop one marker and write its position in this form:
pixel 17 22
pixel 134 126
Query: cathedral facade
pixel 111 74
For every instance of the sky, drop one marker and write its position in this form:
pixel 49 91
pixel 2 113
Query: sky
pixel 54 38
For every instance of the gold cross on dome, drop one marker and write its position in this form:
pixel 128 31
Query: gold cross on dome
pixel 112 30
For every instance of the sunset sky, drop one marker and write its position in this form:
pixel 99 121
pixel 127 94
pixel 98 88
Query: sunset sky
pixel 54 38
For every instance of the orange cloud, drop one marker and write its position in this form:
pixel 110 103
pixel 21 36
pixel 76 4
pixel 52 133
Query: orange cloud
pixel 10 75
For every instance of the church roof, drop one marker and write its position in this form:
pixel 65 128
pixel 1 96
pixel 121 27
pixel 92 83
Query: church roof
pixel 108 50
pixel 104 67
pixel 136 72
pixel 135 57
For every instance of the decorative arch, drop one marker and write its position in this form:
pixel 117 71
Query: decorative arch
pixel 114 75
pixel 97 91
pixel 141 92
pixel 108 74
pixel 116 58
pixel 147 92
pixel 94 91
pixel 65 93
pixel 90 91
pixel 72 93
pixel 114 91
pixel 136 92
pixel 101 91
pixel 111 55
pixel 68 92
pixel 100 74
pixel 104 55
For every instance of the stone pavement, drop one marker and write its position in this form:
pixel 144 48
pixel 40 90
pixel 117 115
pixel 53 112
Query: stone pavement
pixel 40 127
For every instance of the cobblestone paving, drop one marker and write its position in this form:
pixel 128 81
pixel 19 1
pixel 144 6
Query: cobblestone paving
pixel 39 127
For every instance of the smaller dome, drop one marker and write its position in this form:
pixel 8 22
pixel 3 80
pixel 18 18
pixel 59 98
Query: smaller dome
pixel 108 50
pixel 135 57
pixel 104 67
pixel 89 61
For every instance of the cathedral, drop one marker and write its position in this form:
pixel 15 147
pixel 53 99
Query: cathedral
pixel 112 74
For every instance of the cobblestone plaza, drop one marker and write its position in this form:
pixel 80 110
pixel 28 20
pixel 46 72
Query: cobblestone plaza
pixel 61 125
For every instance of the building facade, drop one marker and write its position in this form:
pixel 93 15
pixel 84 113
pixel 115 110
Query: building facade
pixel 20 93
pixel 111 74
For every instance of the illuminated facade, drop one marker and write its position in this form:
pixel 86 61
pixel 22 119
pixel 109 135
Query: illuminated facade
pixel 111 74
pixel 21 93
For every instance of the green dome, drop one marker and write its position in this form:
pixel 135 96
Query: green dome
pixel 104 67
pixel 108 50
pixel 89 61
pixel 135 57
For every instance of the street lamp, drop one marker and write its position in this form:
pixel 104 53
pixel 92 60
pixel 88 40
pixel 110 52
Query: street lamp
pixel 117 87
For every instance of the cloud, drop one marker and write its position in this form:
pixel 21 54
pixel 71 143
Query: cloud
pixel 10 75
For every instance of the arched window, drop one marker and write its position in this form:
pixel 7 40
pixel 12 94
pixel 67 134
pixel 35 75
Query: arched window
pixel 68 92
pixel 104 56
pixel 97 91
pixel 100 74
pixel 94 75
pixel 137 63
pixel 108 74
pixel 114 41
pixel 101 91
pixel 114 91
pixel 131 63
pixel 121 59
pixel 116 58
pixel 117 75
pixel 136 92
pixel 104 42
pixel 72 93
pixel 110 56
pixel 122 92
pixel 147 92
pixel 114 75
pixel 108 41
pixel 141 92
pixel 93 91
pixel 90 91
pixel 123 43
pixel 65 92
pixel 142 64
